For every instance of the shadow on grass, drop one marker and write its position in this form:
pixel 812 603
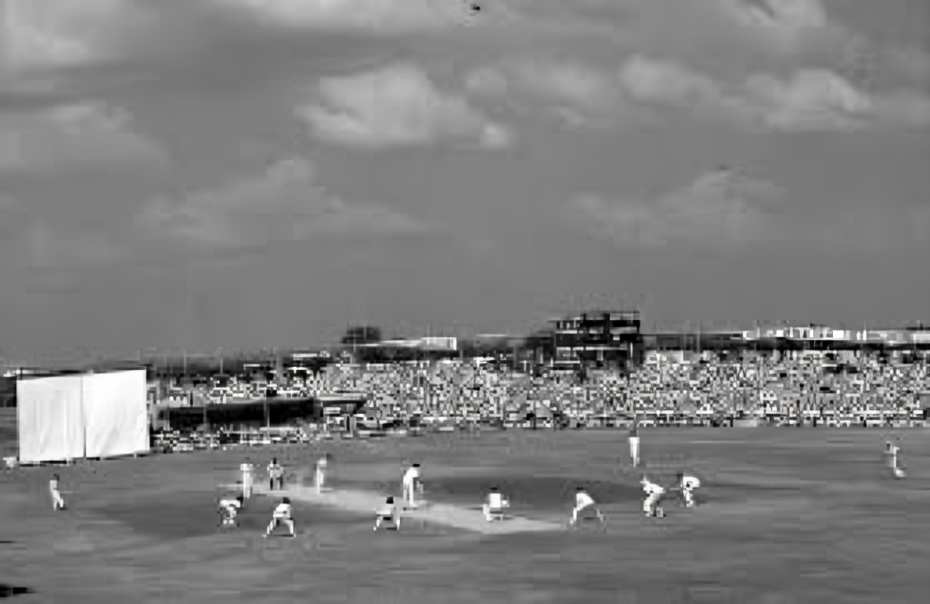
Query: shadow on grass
pixel 8 591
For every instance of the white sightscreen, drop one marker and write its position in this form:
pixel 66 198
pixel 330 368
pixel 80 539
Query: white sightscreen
pixel 50 421
pixel 116 420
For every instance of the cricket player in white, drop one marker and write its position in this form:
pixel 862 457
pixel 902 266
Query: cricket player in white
pixel 654 493
pixel 687 484
pixel 275 474
pixel 633 439
pixel 387 512
pixel 410 485
pixel 246 468
pixel 892 451
pixel 53 488
pixel 584 502
pixel 229 510
pixel 494 505
pixel 283 514
pixel 319 476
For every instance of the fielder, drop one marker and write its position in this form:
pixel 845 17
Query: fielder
pixel 275 473
pixel 319 476
pixel 411 484
pixel 584 502
pixel 633 439
pixel 53 488
pixel 246 468
pixel 283 514
pixel 654 494
pixel 229 510
pixel 387 513
pixel 892 451
pixel 494 505
pixel 687 484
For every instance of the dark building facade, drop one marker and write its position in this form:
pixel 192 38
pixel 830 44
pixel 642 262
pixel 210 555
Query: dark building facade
pixel 595 339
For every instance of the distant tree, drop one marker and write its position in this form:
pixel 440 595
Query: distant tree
pixel 361 334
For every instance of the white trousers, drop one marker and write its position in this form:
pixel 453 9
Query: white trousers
pixel 410 493
pixel 278 520
pixel 579 509
pixel 57 502
pixel 688 496
pixel 650 503
pixel 319 479
pixel 634 450
pixel 246 485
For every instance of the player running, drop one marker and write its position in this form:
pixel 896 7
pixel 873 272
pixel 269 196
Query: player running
pixel 687 485
pixel 654 494
pixel 892 451
pixel 58 503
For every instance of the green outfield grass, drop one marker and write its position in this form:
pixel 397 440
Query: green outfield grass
pixel 787 515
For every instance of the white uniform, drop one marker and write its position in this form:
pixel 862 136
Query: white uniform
pixel 57 502
pixel 230 510
pixel 319 478
pixel 387 512
pixel 653 493
pixel 409 486
pixel 282 515
pixel 584 501
pixel 687 485
pixel 495 505
pixel 246 469
pixel 634 447
pixel 892 451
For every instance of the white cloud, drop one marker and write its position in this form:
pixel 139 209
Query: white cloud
pixel 396 106
pixel 44 34
pixel 812 100
pixel 73 135
pixel 384 16
pixel 282 203
pixel 787 24
pixel 718 209
pixel 580 94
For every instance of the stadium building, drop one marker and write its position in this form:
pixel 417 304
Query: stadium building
pixel 592 340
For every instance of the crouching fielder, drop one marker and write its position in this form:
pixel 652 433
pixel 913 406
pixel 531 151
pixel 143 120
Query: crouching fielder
pixel 387 513
pixel 583 504
pixel 654 493
pixel 282 515
pixel 687 484
pixel 229 510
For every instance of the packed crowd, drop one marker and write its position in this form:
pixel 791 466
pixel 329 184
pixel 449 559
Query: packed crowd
pixel 667 387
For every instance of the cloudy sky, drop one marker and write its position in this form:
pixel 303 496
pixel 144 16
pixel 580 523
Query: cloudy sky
pixel 248 173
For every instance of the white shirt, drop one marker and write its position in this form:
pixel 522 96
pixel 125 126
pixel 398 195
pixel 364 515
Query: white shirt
pixel 53 484
pixel 230 504
pixel 275 470
pixel 321 463
pixel 690 482
pixel 582 499
pixel 651 488
pixel 495 500
pixel 283 510
pixel 411 475
pixel 246 468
